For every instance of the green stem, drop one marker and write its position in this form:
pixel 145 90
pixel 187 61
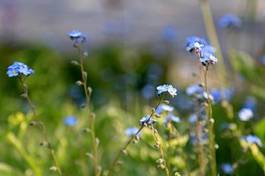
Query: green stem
pixel 210 123
pixel 33 108
pixel 50 148
pixel 91 118
pixel 121 151
pixel 161 151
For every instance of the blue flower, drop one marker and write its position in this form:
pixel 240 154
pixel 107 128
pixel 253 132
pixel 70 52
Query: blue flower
pixel 218 95
pixel 194 89
pixel 18 69
pixel 171 118
pixel 169 33
pixel 245 114
pixel 252 139
pixel 166 88
pixel 229 21
pixel 77 36
pixel 164 108
pixel 207 55
pixel 227 168
pixel 192 118
pixel 70 120
pixel 148 91
pixel 250 103
pixel 195 43
pixel 262 59
pixel 147 120
pixel 132 131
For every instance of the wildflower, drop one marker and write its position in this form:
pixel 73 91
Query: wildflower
pixel 147 120
pixel 166 88
pixel 164 108
pixel 131 131
pixel 169 33
pixel 250 103
pixel 171 118
pixel 194 89
pixel 245 114
pixel 207 55
pixel 227 168
pixel 148 91
pixel 77 36
pixel 219 95
pixel 18 69
pixel 70 120
pixel 252 139
pixel 229 21
pixel 192 118
pixel 194 44
pixel 262 59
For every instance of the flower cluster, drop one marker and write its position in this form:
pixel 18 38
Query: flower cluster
pixel 197 91
pixel 19 69
pixel 77 37
pixel 166 88
pixel 201 49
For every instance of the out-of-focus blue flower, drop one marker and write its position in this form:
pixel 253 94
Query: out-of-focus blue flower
pixel 166 88
pixel 164 108
pixel 194 90
pixel 262 59
pixel 77 36
pixel 218 95
pixel 132 131
pixel 17 69
pixel 229 21
pixel 227 168
pixel 195 43
pixel 147 120
pixel 250 103
pixel 171 118
pixel 169 34
pixel 70 120
pixel 148 91
pixel 245 114
pixel 252 139
pixel 192 118
pixel 207 55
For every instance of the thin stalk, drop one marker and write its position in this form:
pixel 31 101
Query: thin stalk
pixel 25 94
pixel 161 151
pixel 33 108
pixel 91 118
pixel 210 123
pixel 200 151
pixel 212 35
pixel 130 140
pixel 50 148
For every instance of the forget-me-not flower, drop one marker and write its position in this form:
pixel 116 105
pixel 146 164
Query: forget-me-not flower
pixel 230 21
pixel 77 36
pixel 252 139
pixel 195 44
pixel 164 108
pixel 207 55
pixel 166 88
pixel 18 69
pixel 147 120
pixel 171 118
pixel 70 120
pixel 245 114
pixel 132 131
pixel 227 168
